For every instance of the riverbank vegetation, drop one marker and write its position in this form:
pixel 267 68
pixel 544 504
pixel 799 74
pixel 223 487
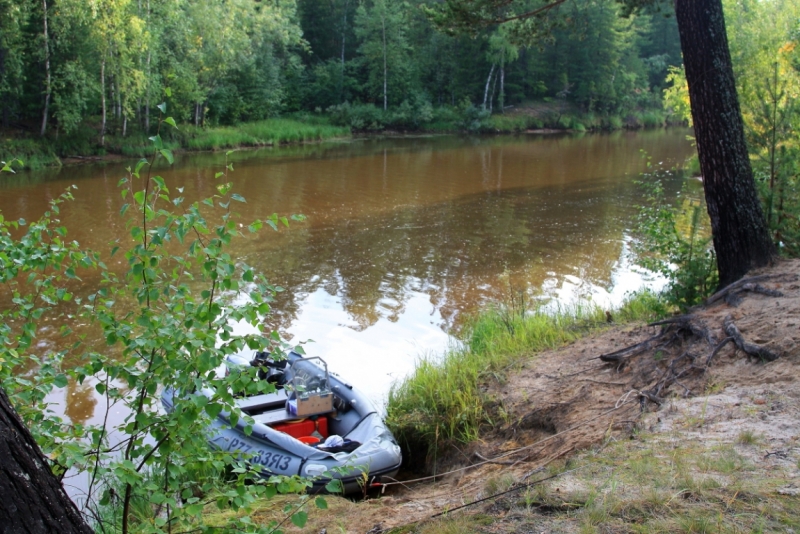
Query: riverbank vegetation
pixel 444 401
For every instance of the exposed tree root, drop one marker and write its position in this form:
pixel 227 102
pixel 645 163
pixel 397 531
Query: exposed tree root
pixel 751 349
pixel 694 343
pixel 732 294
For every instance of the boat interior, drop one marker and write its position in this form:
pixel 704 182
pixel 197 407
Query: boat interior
pixel 322 405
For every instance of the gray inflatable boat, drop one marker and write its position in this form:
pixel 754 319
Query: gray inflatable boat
pixel 314 425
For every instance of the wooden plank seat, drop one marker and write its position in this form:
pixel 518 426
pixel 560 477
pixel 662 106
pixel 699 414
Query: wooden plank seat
pixel 261 403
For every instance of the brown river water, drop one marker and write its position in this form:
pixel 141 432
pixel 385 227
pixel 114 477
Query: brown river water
pixel 403 237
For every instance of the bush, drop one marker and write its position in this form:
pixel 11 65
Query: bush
pixel 676 242
pixel 471 118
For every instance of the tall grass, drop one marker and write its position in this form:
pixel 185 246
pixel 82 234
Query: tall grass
pixel 42 152
pixel 34 155
pixel 443 401
pixel 266 132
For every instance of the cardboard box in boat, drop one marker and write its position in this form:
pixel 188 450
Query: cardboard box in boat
pixel 310 404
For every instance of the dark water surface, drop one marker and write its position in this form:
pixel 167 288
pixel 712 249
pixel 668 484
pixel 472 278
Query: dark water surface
pixel 403 235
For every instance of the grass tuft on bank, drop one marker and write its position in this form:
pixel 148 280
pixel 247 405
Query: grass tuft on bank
pixel 443 402
pixel 262 133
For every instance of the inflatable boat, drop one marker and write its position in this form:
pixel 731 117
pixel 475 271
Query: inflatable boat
pixel 314 425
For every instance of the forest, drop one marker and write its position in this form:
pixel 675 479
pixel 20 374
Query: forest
pixel 71 65
pixel 86 76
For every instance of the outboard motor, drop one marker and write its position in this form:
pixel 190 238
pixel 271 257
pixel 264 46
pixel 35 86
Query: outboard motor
pixel 270 370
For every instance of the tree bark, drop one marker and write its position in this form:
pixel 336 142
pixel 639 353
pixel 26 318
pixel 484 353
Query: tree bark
pixel 741 236
pixel 33 500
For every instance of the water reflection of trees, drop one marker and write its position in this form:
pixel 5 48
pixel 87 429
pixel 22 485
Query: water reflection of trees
pixel 454 251
pixel 388 218
pixel 80 401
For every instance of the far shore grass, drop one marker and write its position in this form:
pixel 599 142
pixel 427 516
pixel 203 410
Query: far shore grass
pixel 442 403
pixel 37 153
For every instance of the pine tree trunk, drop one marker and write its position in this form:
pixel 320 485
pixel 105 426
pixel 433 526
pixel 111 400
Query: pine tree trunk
pixel 46 111
pixel 741 237
pixel 33 500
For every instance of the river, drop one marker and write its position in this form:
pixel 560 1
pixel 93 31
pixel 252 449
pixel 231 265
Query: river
pixel 403 237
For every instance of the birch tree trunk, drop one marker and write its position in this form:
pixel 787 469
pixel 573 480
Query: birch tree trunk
pixel 47 92
pixel 344 35
pixel 147 98
pixel 385 71
pixel 486 89
pixel 502 96
pixel 103 102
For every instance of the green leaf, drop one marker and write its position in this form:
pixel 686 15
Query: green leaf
pixel 213 409
pixel 334 486
pixel 238 198
pixel 171 122
pixel 167 154
pixel 60 381
pixel 168 92
pixel 139 164
pixel 299 519
pixel 162 107
pixel 321 503
pixel 194 509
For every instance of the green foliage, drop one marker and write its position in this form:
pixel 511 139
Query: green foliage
pixel 764 44
pixel 676 242
pixel 167 323
pixel 384 50
pixel 443 400
pixel 471 117
pixel 233 61
pixel 676 96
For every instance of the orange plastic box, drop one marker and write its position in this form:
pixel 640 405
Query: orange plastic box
pixel 304 427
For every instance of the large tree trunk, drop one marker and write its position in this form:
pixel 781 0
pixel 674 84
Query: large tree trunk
pixel 741 236
pixel 33 500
